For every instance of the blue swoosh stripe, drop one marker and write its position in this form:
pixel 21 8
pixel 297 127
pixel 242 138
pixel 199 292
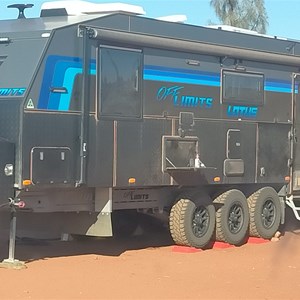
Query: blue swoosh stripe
pixel 58 79
pixel 181 80
pixel 180 71
pixel 60 71
pixel 176 74
pixel 270 88
pixel 69 78
pixel 157 73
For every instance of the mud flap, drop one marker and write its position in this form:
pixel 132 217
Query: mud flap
pixel 98 223
pixel 102 226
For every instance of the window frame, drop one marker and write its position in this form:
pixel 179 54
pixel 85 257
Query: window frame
pixel 247 102
pixel 99 104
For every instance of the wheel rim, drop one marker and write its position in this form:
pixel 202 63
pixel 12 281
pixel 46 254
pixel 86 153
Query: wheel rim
pixel 268 214
pixel 200 222
pixel 236 218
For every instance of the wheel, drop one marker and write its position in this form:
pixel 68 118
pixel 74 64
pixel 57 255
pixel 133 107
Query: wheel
pixel 191 225
pixel 124 222
pixel 232 217
pixel 265 213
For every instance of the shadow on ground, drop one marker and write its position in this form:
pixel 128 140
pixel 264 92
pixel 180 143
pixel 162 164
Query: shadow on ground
pixel 148 235
pixel 29 249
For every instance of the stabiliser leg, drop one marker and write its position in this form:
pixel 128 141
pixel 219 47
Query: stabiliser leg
pixel 11 262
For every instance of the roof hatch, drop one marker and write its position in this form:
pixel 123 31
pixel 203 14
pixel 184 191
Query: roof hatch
pixel 77 8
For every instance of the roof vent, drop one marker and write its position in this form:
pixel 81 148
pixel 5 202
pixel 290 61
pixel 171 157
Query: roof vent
pixel 21 8
pixel 77 8
pixel 54 12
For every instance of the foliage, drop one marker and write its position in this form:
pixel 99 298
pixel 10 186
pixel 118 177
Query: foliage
pixel 248 14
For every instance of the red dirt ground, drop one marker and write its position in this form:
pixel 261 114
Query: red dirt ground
pixel 149 266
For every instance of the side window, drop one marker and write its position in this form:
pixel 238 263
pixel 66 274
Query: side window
pixel 243 88
pixel 120 82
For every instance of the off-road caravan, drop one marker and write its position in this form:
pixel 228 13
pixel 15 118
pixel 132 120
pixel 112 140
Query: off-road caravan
pixel 104 115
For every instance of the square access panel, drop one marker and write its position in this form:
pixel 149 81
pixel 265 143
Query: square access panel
pixel 51 165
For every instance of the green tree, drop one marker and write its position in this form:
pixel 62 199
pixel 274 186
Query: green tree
pixel 248 14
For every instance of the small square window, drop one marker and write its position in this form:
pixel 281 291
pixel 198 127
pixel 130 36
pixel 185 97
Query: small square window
pixel 243 88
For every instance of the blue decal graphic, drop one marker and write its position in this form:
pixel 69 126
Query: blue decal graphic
pixel 12 92
pixel 242 111
pixel 60 71
pixel 182 100
pixel 185 76
pixel 176 75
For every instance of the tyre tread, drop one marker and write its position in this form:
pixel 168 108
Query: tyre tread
pixel 176 222
pixel 222 233
pixel 255 229
pixel 252 200
pixel 220 236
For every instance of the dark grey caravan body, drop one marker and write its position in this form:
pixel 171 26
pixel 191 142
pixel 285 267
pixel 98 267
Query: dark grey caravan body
pixel 106 116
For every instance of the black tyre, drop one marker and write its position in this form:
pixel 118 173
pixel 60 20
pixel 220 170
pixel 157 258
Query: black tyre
pixel 232 217
pixel 265 213
pixel 124 222
pixel 191 225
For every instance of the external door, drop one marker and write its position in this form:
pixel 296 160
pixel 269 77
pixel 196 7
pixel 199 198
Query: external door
pixel 120 104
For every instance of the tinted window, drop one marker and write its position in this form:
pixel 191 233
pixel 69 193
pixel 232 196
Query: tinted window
pixel 120 82
pixel 242 88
